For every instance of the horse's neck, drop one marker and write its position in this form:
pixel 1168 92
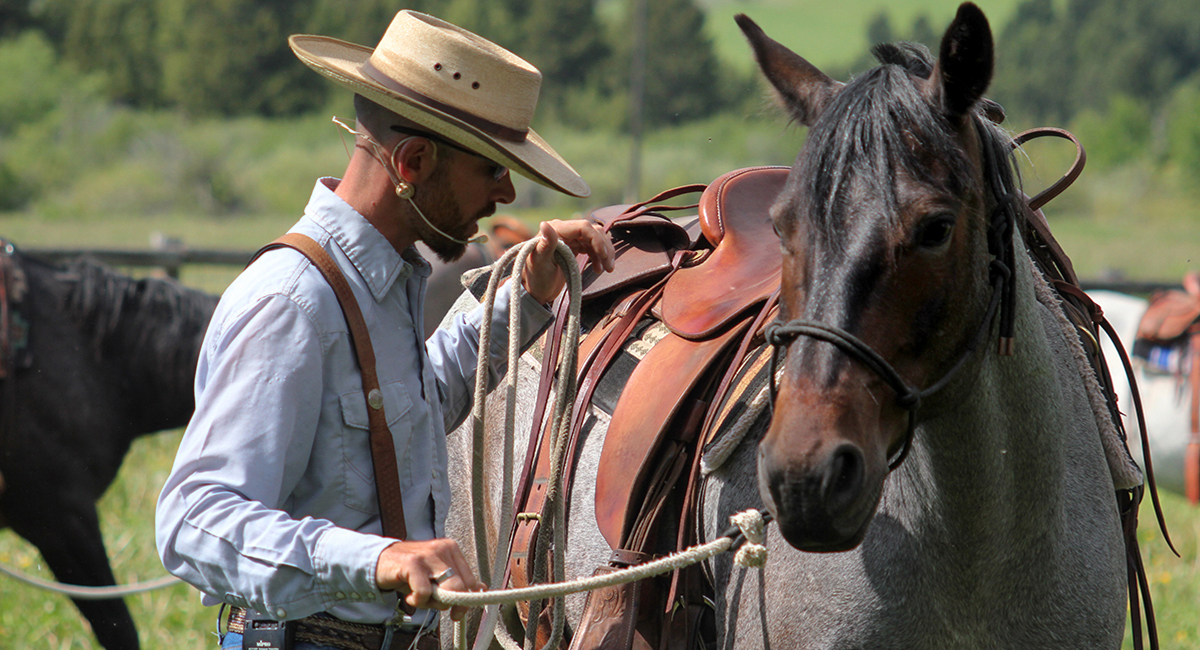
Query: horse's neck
pixel 1023 433
pixel 149 333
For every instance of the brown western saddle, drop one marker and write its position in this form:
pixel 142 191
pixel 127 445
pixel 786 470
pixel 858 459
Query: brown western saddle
pixel 691 295
pixel 1172 323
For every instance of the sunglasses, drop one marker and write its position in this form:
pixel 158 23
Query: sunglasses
pixel 498 171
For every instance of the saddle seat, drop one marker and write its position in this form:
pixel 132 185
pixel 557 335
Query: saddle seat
pixel 744 267
pixel 735 263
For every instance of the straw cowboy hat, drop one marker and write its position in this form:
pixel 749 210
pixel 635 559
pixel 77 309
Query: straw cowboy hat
pixel 452 82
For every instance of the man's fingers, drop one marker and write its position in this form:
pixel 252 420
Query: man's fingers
pixel 542 277
pixel 585 237
pixel 422 588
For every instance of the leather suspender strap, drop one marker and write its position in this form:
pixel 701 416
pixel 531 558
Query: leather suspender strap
pixel 383 450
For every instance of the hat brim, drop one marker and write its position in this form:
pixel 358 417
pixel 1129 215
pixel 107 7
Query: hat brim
pixel 342 63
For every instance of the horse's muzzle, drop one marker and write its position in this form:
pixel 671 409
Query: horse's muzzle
pixel 822 506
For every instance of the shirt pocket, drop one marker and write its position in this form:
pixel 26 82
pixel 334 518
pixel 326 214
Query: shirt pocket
pixel 358 478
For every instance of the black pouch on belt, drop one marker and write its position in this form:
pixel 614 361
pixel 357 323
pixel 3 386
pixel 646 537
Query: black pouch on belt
pixel 262 633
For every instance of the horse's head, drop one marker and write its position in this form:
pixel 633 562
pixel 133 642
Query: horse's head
pixel 884 227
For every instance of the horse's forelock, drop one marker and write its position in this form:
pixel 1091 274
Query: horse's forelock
pixel 881 125
pixel 913 57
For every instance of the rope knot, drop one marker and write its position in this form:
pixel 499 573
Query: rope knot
pixel 909 401
pixel 752 554
pixel 774 336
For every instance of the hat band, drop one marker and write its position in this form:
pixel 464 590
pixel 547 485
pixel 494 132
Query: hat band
pixel 485 125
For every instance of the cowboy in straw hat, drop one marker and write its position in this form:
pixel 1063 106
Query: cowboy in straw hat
pixel 272 506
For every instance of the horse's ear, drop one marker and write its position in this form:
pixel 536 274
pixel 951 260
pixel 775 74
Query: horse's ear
pixel 965 62
pixel 803 89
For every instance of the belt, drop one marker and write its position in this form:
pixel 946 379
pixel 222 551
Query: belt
pixel 323 629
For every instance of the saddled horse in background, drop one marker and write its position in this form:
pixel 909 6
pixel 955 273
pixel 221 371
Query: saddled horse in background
pixel 97 360
pixel 1166 377
pixel 928 491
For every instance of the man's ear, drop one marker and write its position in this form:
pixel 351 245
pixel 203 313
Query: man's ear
pixel 414 158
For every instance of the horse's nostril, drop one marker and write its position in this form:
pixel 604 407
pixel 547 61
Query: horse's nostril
pixel 845 478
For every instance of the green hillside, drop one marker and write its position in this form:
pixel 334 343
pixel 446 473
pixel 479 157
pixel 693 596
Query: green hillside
pixel 828 33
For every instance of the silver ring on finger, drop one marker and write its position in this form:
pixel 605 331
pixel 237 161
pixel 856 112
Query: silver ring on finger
pixel 444 575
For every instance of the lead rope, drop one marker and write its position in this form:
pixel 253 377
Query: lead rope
pixel 747 535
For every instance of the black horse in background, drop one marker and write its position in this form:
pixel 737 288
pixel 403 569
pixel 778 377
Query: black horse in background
pixel 92 359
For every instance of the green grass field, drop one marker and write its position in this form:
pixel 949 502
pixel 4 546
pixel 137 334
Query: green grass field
pixel 828 33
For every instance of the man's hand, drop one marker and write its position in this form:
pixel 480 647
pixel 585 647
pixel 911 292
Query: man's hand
pixel 409 567
pixel 542 277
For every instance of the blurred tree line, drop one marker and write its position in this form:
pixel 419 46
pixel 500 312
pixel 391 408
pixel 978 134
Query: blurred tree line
pixel 230 57
pixel 183 99
pixel 1059 59
pixel 1124 75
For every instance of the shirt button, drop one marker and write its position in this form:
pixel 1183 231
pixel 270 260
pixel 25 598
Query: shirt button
pixel 375 399
pixel 339 595
pixel 369 596
pixel 281 613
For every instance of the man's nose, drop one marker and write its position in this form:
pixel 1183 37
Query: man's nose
pixel 505 192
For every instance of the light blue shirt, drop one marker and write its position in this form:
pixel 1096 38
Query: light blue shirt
pixel 271 502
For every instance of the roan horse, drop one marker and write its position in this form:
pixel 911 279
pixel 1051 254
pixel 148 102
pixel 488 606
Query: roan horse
pixel 104 359
pixel 1000 528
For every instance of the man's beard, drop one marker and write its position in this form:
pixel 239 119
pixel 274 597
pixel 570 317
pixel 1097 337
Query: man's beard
pixel 440 204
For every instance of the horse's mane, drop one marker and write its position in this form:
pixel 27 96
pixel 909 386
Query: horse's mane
pixel 869 132
pixel 147 323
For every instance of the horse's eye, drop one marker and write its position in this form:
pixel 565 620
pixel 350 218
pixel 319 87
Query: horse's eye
pixel 935 231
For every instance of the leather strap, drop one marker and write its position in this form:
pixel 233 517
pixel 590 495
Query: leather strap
pixel 1035 221
pixel 1072 174
pixel 383 450
pixel 528 528
pixel 1191 458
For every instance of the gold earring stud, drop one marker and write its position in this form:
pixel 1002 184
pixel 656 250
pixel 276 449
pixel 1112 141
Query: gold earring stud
pixel 404 190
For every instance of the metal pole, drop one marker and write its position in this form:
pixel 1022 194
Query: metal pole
pixel 637 94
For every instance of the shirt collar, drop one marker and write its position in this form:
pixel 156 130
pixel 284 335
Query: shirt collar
pixel 367 249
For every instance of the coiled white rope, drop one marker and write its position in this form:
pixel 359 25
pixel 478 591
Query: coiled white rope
pixel 564 397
